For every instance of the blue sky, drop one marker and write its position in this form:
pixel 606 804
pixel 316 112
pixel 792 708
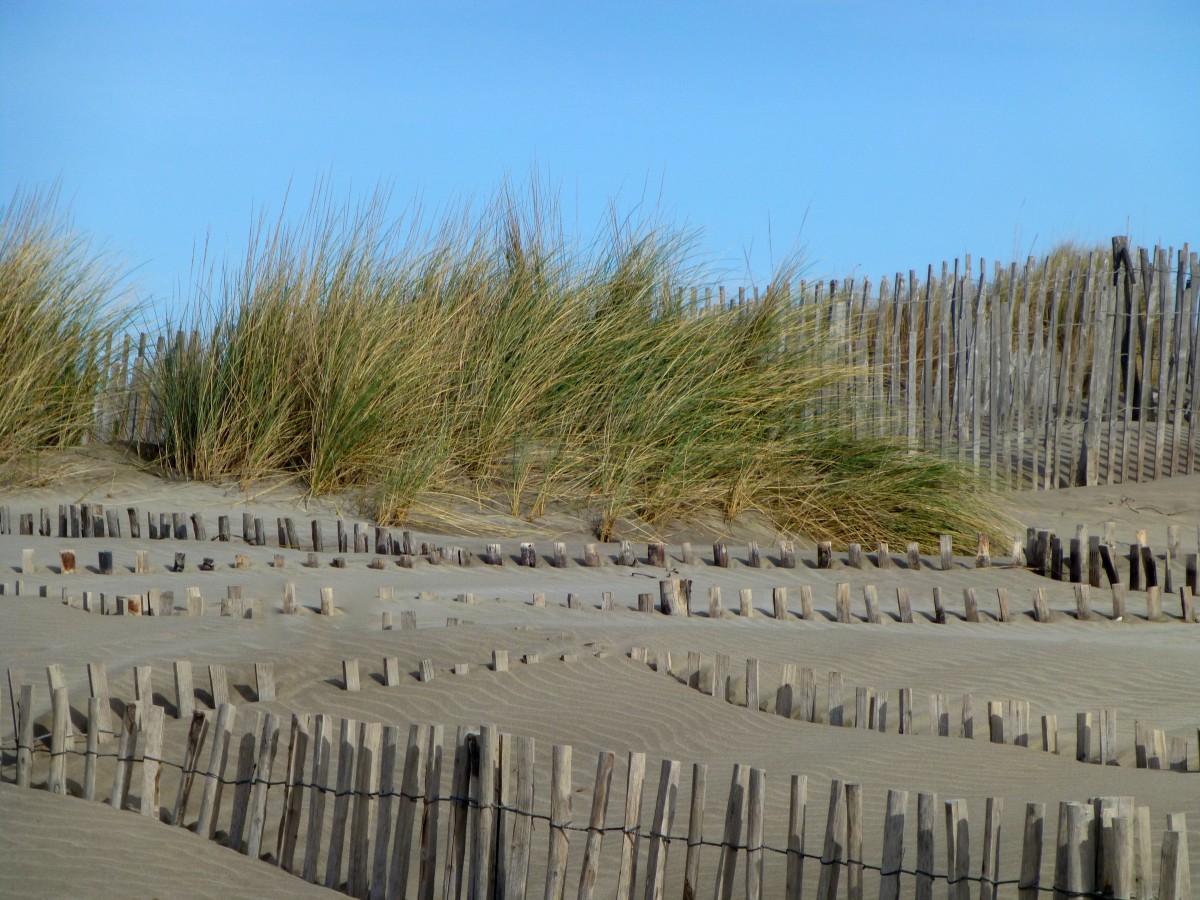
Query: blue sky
pixel 880 136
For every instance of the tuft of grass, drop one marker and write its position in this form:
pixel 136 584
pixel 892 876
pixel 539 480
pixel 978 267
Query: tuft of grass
pixel 490 359
pixel 57 319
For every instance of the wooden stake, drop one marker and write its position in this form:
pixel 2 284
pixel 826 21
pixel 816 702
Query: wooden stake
pixel 660 830
pixel 595 831
pixel 517 868
pixel 347 751
pixel 635 779
pixel 926 818
pixel 835 842
pixel 560 819
pixel 727 862
pixel 268 746
pixel 797 820
pixel 854 842
pixel 754 836
pixel 893 845
pixel 695 835
pixel 1031 851
pixel 958 850
pixel 125 747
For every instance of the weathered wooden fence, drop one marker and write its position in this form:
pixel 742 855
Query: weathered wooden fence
pixel 349 805
pixel 1070 372
pixel 799 695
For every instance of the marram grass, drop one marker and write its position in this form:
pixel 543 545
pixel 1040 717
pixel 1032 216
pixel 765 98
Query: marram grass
pixel 491 360
pixel 57 315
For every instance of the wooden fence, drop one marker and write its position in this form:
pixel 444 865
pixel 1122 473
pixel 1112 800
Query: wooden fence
pixel 1010 721
pixel 1065 372
pixel 1075 372
pixel 347 804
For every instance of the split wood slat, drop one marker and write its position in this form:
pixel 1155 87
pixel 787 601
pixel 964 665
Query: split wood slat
pixel 854 842
pixel 660 829
pixel 958 859
pixel 60 719
pixel 560 819
pixel 125 748
pixel 267 750
pixel 411 796
pixel 385 802
pixel 244 780
pixel 293 797
pixel 347 752
pixel 926 821
pixel 797 821
pixel 517 867
pixel 833 853
pixel 635 779
pixel 893 845
pixel 754 835
pixel 695 837
pixel 214 773
pixel 595 830
pixel 366 784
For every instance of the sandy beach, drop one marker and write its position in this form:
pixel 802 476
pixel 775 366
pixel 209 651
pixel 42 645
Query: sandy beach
pixel 589 686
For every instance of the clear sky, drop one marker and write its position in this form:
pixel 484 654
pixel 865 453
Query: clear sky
pixel 880 136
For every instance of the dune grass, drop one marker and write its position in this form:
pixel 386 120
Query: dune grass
pixel 57 315
pixel 489 359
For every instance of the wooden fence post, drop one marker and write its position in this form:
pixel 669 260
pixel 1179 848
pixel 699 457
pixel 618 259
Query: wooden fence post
pixel 293 792
pixel 634 781
pixel 560 820
pixel 268 746
pixel 347 751
pixel 595 831
pixel 410 796
pixel 695 836
pixel 797 820
pixel 434 761
pixel 988 889
pixel 958 850
pixel 1075 862
pixel 244 781
pixel 727 862
pixel 854 842
pixel 125 747
pixel 57 783
pixel 893 845
pixel 1174 879
pixel 210 803
pixel 1114 856
pixel 660 830
pixel 926 818
pixel 93 747
pixel 835 842
pixel 456 830
pixel 512 863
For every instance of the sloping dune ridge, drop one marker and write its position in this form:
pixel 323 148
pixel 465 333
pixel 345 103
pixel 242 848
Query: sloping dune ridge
pixel 538 653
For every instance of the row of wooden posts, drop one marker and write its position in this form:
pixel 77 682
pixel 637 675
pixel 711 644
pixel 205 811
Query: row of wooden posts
pixel 390 832
pixel 675 598
pixel 1005 722
pixel 1082 558
pixel 795 697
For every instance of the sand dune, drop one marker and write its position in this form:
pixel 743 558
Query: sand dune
pixel 599 698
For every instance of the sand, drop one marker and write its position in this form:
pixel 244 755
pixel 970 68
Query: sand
pixel 599 698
